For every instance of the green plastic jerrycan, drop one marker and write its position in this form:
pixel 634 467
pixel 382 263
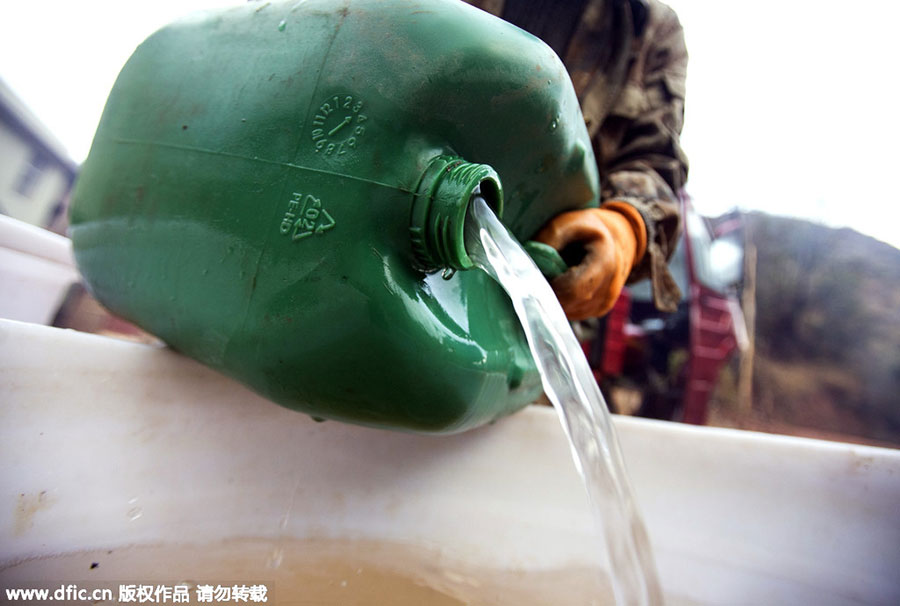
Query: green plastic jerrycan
pixel 279 191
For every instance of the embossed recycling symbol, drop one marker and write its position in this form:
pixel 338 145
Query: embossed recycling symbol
pixel 305 217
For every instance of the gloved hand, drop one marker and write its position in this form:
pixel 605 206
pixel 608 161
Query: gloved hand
pixel 601 245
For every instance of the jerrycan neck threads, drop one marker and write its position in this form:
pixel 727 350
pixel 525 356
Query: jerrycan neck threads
pixel 439 208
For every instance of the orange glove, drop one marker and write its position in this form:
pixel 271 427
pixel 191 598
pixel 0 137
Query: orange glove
pixel 602 245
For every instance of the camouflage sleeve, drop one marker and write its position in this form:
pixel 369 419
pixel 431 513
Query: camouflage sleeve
pixel 640 158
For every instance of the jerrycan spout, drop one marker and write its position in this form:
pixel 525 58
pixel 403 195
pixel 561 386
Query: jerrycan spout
pixel 439 209
pixel 438 216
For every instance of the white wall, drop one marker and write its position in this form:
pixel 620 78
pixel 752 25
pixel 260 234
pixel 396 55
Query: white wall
pixel 15 156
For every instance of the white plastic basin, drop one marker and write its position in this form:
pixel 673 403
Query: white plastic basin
pixel 105 443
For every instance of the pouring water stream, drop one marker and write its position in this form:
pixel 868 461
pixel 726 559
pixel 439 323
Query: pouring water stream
pixel 570 385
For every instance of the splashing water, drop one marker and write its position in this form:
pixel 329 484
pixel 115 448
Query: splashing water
pixel 570 385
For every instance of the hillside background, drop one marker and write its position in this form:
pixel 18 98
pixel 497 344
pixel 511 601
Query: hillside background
pixel 827 356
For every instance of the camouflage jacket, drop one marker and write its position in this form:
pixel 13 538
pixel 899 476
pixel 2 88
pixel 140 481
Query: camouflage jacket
pixel 628 61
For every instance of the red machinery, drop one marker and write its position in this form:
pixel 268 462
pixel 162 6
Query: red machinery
pixel 666 365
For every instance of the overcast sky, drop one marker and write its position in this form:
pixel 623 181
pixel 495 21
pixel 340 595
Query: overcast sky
pixel 791 109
